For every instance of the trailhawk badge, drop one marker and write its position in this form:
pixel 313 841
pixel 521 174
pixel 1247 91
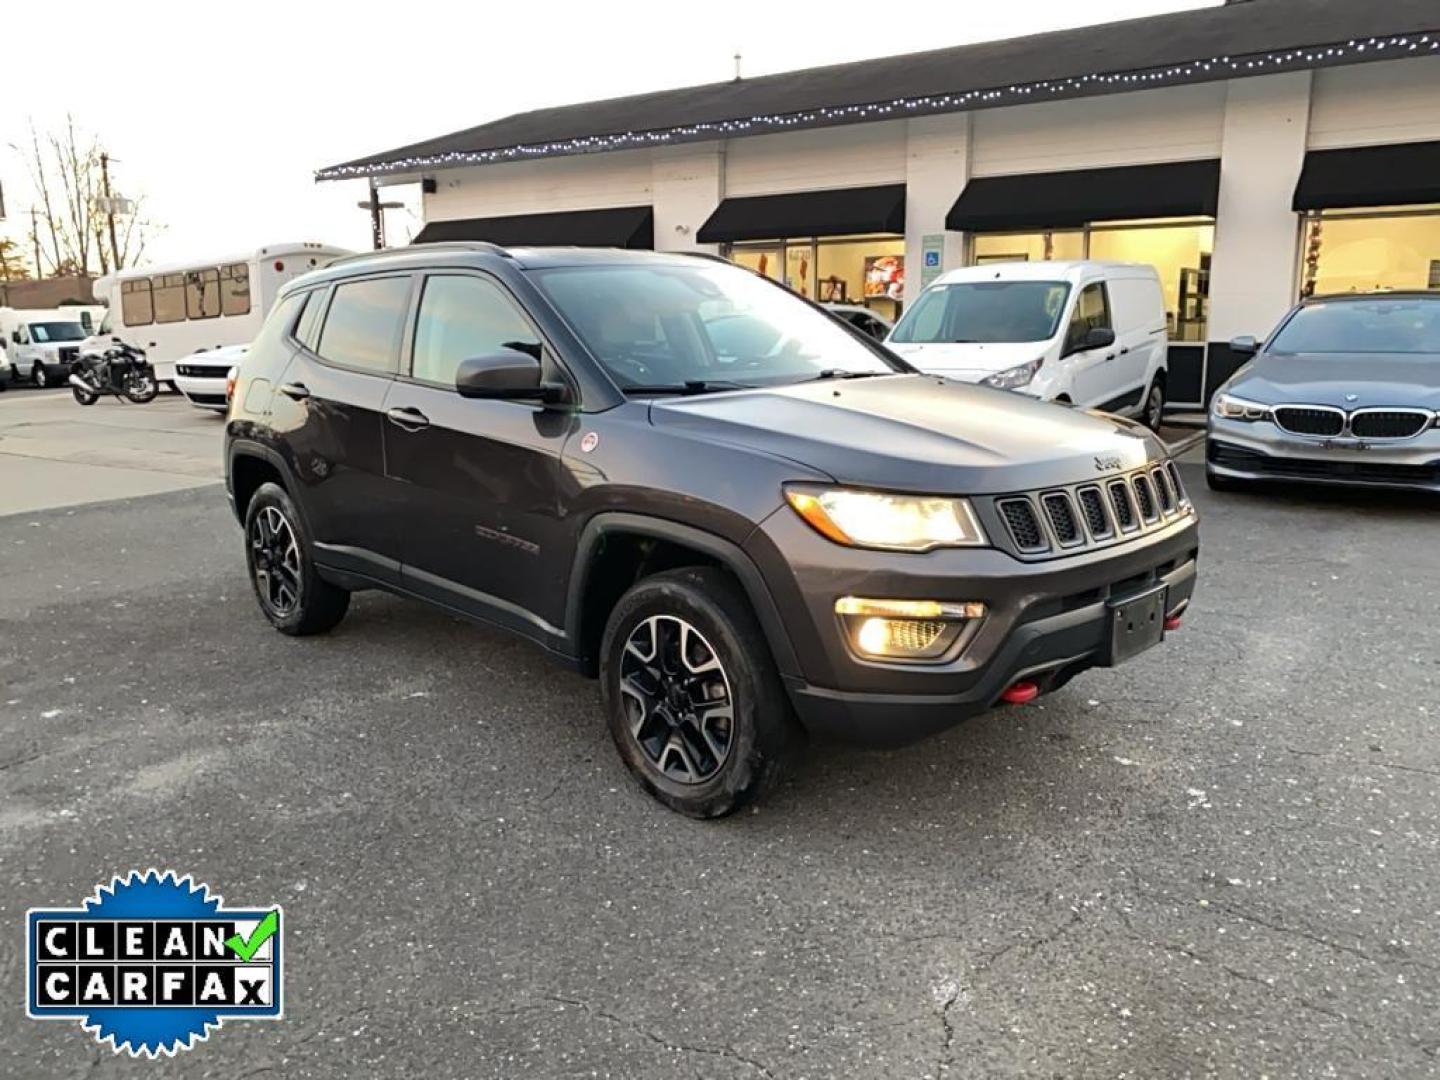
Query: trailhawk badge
pixel 153 962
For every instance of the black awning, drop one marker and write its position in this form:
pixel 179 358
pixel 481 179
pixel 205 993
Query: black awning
pixel 834 212
pixel 622 227
pixel 1370 176
pixel 1078 196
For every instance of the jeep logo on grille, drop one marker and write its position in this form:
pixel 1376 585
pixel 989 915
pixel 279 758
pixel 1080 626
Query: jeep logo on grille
pixel 1107 463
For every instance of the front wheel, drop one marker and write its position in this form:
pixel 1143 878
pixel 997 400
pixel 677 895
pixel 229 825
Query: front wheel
pixel 141 388
pixel 691 694
pixel 292 594
pixel 40 376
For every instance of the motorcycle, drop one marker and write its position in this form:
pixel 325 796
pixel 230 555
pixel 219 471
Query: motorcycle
pixel 120 370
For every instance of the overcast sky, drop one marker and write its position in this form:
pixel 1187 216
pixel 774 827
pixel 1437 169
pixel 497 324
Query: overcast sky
pixel 219 113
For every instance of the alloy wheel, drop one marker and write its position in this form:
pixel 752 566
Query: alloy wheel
pixel 276 555
pixel 677 699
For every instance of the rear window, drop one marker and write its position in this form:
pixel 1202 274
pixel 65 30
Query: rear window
pixel 363 326
pixel 984 311
pixel 1399 325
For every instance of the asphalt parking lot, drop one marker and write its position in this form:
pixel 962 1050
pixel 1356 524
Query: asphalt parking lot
pixel 1220 859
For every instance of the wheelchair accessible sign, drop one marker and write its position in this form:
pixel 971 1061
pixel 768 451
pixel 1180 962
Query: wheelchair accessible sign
pixel 153 962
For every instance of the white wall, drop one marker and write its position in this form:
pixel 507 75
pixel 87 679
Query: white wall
pixel 1252 274
pixel 687 184
pixel 937 165
pixel 582 182
pixel 1392 102
pixel 1182 123
pixel 859 155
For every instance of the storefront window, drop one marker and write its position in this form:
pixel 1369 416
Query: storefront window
pixel 866 270
pixel 1179 251
pixel 1029 247
pixel 1347 252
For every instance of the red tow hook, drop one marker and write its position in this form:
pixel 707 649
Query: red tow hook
pixel 1019 693
pixel 1172 622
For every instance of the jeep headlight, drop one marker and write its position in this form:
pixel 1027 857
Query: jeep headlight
pixel 892 522
pixel 1015 377
pixel 1230 407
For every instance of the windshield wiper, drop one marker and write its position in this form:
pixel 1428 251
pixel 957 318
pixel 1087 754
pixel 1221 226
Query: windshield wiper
pixel 841 373
pixel 689 386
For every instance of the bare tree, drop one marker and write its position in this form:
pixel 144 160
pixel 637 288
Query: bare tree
pixel 67 170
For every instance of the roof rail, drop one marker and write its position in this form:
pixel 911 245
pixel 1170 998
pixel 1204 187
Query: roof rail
pixel 410 249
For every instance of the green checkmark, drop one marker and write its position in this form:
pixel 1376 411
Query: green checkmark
pixel 246 948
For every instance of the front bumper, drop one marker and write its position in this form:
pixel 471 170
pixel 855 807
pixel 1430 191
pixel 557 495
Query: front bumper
pixel 204 392
pixel 1046 621
pixel 1259 451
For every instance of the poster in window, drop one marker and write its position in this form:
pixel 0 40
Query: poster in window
pixel 884 276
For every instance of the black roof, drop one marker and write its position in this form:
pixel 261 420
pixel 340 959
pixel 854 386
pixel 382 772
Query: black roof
pixel 1255 37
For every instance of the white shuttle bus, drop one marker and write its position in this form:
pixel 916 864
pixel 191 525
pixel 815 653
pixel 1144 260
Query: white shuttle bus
pixel 176 311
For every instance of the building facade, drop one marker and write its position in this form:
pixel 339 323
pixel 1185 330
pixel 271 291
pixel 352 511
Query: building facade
pixel 1254 154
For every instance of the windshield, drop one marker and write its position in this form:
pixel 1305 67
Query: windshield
pixel 672 325
pixel 43 332
pixel 984 311
pixel 1401 325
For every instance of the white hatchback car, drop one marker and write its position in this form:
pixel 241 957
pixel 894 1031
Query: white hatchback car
pixel 1090 334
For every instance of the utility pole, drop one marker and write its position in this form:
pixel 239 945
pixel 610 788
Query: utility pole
pixel 377 214
pixel 109 209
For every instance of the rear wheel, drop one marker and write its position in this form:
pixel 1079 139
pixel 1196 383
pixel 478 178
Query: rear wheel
pixel 692 697
pixel 1152 413
pixel 291 593
pixel 84 397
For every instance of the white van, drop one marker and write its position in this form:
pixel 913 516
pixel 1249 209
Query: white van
pixel 174 311
pixel 1090 334
pixel 41 344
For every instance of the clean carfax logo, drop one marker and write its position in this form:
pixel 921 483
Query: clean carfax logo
pixel 153 962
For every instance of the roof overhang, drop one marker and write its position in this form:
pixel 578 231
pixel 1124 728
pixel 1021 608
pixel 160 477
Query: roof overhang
pixel 833 212
pixel 622 227
pixel 1391 175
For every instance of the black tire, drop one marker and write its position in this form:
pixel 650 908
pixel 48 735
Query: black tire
pixel 141 389
pixel 40 376
pixel 290 591
pixel 1152 408
pixel 1216 482
pixel 84 397
pixel 763 735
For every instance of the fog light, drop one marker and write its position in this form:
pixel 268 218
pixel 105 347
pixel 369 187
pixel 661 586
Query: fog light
pixel 905 629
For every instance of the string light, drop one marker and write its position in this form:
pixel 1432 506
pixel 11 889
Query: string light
pixel 1190 71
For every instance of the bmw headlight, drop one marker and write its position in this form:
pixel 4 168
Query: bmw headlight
pixel 1230 407
pixel 1015 377
pixel 875 519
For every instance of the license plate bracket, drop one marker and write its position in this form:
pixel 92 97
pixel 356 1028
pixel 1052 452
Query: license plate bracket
pixel 1137 624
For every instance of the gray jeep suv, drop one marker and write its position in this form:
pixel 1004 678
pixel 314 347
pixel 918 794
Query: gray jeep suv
pixel 747 518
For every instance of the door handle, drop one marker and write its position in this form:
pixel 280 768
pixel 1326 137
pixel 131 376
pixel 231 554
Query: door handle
pixel 408 418
pixel 1125 350
pixel 295 391
pixel 1109 356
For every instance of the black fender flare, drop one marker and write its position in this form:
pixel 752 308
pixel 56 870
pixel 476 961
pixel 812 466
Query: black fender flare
pixel 727 553
pixel 243 448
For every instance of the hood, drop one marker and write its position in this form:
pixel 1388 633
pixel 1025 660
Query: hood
pixel 916 433
pixel 968 361
pixel 1384 379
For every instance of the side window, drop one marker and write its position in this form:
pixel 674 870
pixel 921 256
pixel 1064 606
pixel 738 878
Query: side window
pixel 202 294
pixel 136 308
pixel 463 316
pixel 307 330
pixel 280 322
pixel 1092 312
pixel 235 289
pixel 169 293
pixel 363 326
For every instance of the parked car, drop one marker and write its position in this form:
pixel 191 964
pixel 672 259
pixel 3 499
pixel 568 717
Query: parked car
pixel 1345 391
pixel 863 319
pixel 202 375
pixel 7 372
pixel 740 545
pixel 1090 334
pixel 42 344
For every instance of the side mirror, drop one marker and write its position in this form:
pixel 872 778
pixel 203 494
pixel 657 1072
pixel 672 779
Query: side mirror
pixel 507 376
pixel 1244 346
pixel 1098 337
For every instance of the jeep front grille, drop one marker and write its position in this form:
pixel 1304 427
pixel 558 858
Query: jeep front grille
pixel 1060 521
